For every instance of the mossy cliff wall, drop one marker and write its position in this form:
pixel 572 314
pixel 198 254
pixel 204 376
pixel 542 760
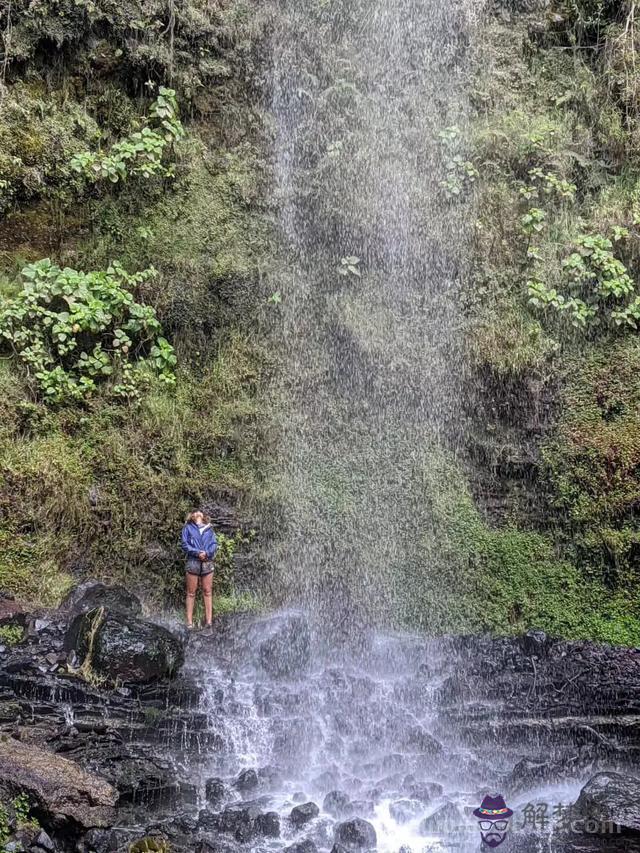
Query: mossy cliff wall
pixel 101 487
pixel 537 521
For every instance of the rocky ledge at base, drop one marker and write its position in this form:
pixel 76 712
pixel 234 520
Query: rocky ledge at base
pixel 108 742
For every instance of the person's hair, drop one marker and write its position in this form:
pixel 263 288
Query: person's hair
pixel 190 515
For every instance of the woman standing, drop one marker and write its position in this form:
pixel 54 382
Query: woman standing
pixel 199 544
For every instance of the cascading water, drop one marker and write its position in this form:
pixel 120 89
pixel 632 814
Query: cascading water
pixel 327 706
pixel 365 96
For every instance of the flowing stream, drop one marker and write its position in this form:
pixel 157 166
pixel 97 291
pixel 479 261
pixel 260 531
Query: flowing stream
pixel 381 733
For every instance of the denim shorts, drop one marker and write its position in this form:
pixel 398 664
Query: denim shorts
pixel 199 567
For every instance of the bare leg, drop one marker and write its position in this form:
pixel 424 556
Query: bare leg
pixel 192 586
pixel 207 592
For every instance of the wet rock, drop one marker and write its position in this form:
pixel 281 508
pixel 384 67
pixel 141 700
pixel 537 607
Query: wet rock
pixel 246 781
pixel 268 824
pixel 338 804
pixel 215 791
pixel 417 739
pixel 92 594
pixel 270 776
pixel 535 643
pixel 402 811
pixel 293 741
pixel 286 653
pixel 306 846
pixel 237 820
pixel 65 792
pixel 12 612
pixel 356 834
pixel 443 820
pixel 98 841
pixel 611 798
pixel 124 648
pixel 43 842
pixel 425 792
pixel 303 814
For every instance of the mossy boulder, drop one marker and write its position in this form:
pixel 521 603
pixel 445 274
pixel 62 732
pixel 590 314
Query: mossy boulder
pixel 120 647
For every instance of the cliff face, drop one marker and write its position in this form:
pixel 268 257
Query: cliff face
pixel 88 178
pixel 554 339
pixel 538 509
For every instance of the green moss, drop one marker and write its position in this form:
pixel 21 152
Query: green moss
pixel 473 577
pixel 11 635
pixel 105 490
pixel 593 460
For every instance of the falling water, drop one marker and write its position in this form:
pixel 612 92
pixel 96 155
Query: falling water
pixel 373 366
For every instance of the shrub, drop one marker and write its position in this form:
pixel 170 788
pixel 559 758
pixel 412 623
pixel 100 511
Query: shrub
pixel 599 281
pixel 142 152
pixel 73 330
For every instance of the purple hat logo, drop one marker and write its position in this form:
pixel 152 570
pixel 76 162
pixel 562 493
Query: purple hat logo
pixel 493 818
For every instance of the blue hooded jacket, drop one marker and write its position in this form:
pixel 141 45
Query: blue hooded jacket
pixel 195 540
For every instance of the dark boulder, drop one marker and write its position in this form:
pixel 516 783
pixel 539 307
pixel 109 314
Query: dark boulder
pixel 215 791
pixel 246 781
pixel 42 842
pixel 286 652
pixel 356 834
pixel 338 804
pixel 123 648
pixel 268 824
pixel 402 811
pixel 442 821
pixel 92 594
pixel 303 814
pixel 306 846
pixel 238 820
pixel 611 799
pixel 425 792
pixel 101 841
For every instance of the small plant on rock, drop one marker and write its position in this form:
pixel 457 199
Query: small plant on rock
pixel 597 282
pixel 11 635
pixel 461 172
pixel 142 153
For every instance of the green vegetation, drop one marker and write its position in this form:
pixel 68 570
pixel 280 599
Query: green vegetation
pixel 504 580
pixel 72 330
pixel 11 635
pixel 15 815
pixel 140 153
pixel 127 397
pixel 555 313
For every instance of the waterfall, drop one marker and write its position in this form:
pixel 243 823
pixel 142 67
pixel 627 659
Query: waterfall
pixel 369 105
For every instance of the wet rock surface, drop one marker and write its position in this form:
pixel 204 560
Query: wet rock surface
pixel 122 647
pixel 61 790
pixel 392 746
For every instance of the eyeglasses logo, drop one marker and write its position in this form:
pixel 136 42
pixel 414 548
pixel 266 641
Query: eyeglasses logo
pixel 493 817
